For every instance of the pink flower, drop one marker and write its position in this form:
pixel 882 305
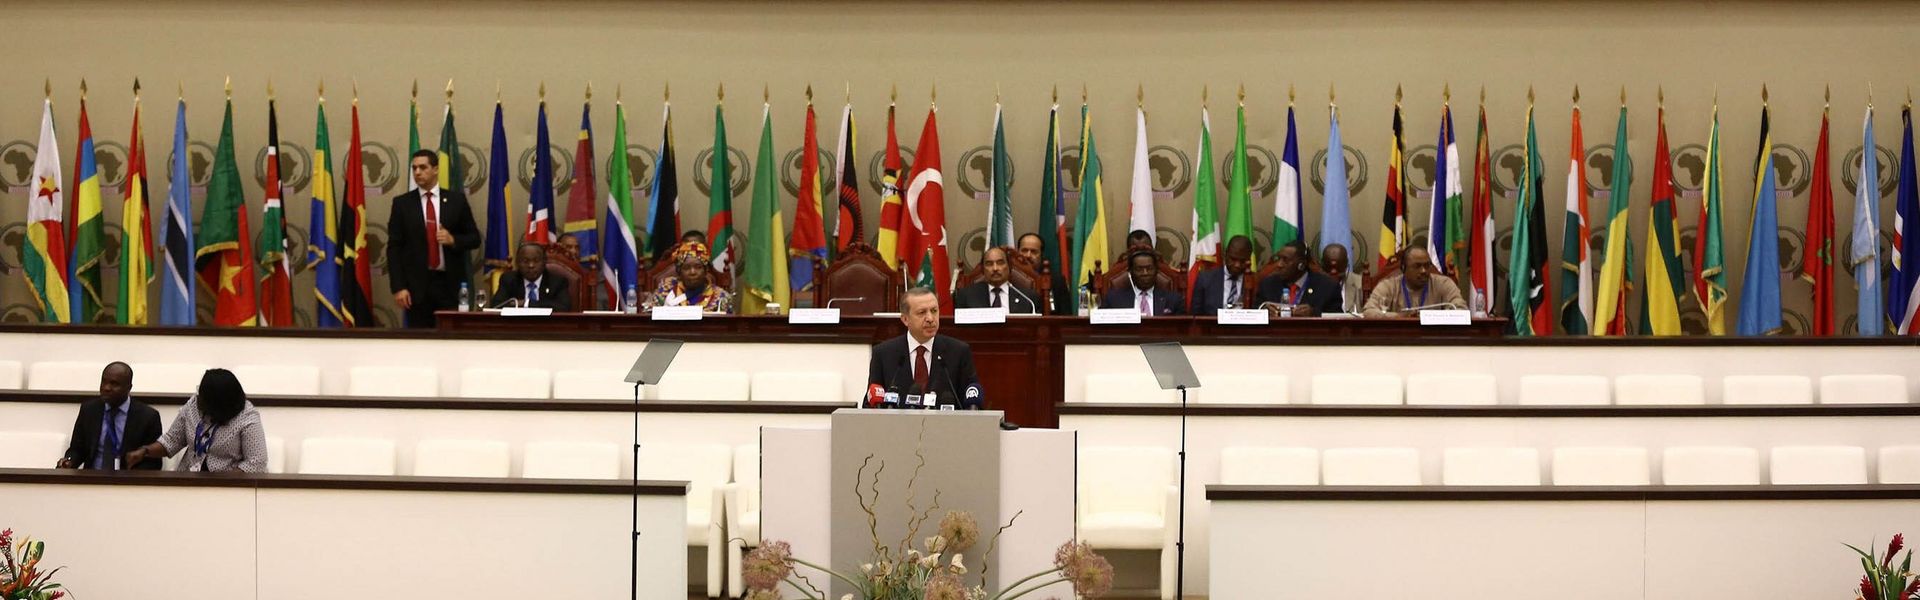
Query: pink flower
pixel 765 567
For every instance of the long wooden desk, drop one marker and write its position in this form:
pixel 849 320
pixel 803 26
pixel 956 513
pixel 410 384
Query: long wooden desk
pixel 298 537
pixel 1020 363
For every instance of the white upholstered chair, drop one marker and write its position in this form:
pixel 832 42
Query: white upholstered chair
pixel 1601 466
pixel 1130 388
pixel 1563 390
pixel 31 449
pixel 279 380
pixel 1899 464
pixel 12 375
pixel 1766 389
pixel 1863 389
pixel 1370 466
pixel 1490 466
pixel 1356 389
pixel 1242 389
pixel 66 376
pixel 591 384
pixel 346 456
pixel 1127 498
pixel 1452 389
pixel 706 468
pixel 702 386
pixel 802 386
pixel 167 378
pixel 1818 465
pixel 1710 465
pixel 743 514
pixel 496 382
pixel 570 460
pixel 1260 465
pixel 1655 390
pixel 462 458
pixel 405 382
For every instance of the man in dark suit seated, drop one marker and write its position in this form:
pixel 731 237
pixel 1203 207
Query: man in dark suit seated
pixel 529 285
pixel 1031 246
pixel 110 425
pixel 1226 286
pixel 923 361
pixel 1310 294
pixel 995 290
pixel 1145 295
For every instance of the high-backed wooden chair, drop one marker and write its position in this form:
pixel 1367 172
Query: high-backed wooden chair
pixel 860 281
pixel 1170 278
pixel 1020 273
pixel 582 282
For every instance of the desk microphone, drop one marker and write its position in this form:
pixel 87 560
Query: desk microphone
pixel 974 399
pixel 1030 301
pixel 876 396
pixel 849 299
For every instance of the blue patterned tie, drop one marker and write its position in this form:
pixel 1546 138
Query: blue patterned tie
pixel 112 444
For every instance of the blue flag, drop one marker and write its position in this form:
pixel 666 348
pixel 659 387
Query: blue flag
pixel 1760 288
pixel 1902 297
pixel 540 229
pixel 1335 219
pixel 176 274
pixel 499 243
pixel 1865 253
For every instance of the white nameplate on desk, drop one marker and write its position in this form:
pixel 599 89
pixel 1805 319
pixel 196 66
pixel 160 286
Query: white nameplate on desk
pixel 1446 317
pixel 676 313
pixel 1242 316
pixel 979 316
pixel 813 316
pixel 1114 316
pixel 525 312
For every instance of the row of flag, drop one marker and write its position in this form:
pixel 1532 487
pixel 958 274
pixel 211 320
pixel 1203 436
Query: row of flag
pixel 251 280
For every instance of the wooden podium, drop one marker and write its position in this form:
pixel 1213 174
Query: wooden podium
pixel 809 478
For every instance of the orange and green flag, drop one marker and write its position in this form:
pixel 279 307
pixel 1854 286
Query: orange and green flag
pixel 1616 256
pixel 225 257
pixel 136 243
pixel 1666 276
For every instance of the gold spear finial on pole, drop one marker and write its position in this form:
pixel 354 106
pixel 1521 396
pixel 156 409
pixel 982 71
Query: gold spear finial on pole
pixel 1330 94
pixel 320 91
pixel 1243 94
pixel 1660 95
pixel 543 92
pixel 933 93
pixel 269 89
pixel 809 94
pixel 1397 93
pixel 1204 92
pixel 1869 94
pixel 83 89
pixel 996 92
pixel 1623 96
pixel 1576 95
pixel 1056 93
pixel 1483 95
pixel 850 92
pixel 1083 92
pixel 356 91
pixel 1763 94
pixel 449 90
pixel 1530 95
pixel 721 96
pixel 229 87
pixel 1289 94
pixel 1829 98
pixel 893 94
pixel 1140 95
pixel 589 90
pixel 50 89
pixel 416 90
pixel 1446 94
pixel 766 93
pixel 136 89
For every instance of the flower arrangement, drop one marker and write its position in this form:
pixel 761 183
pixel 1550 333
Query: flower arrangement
pixel 934 571
pixel 20 578
pixel 1883 582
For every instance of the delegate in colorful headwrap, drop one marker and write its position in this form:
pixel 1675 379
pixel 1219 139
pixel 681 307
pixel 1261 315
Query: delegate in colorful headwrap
pixel 690 285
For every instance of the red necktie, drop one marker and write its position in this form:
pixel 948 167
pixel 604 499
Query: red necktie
pixel 433 230
pixel 920 367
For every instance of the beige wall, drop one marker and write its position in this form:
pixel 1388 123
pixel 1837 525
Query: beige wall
pixel 969 48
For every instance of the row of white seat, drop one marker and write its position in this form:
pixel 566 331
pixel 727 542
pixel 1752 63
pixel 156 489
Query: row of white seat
pixel 722 494
pixel 1476 389
pixel 424 382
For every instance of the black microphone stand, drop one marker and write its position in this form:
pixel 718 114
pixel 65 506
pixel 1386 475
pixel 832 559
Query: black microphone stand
pixel 633 558
pixel 1180 541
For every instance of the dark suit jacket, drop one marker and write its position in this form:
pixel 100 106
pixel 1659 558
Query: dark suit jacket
pixel 407 242
pixel 143 427
pixel 1165 303
pixel 1320 292
pixel 1062 295
pixel 1017 302
pixel 949 369
pixel 1210 286
pixel 553 292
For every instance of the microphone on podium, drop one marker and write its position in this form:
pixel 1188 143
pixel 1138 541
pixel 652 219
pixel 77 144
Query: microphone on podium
pixel 876 396
pixel 974 398
pixel 846 299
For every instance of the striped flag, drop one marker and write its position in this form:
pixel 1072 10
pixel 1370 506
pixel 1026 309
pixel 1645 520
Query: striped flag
pixel 1616 257
pixel 1443 205
pixel 45 255
pixel 1000 196
pixel 1052 224
pixel 356 258
pixel 1709 244
pixel 1903 291
pixel 1140 197
pixel 850 228
pixel 498 253
pixel 1527 263
pixel 1666 277
pixel 540 229
pixel 86 226
pixel 1760 285
pixel 808 241
pixel 620 260
pixel 892 210
pixel 1288 210
pixel 1335 217
pixel 1817 263
pixel 271 254
pixel 1239 194
pixel 583 195
pixel 1206 208
pixel 764 271
pixel 1393 210
pixel 225 258
pixel 1576 268
pixel 663 200
pixel 1477 256
pixel 136 245
pixel 453 173
pixel 176 242
pixel 925 237
pixel 1090 222
pixel 1864 255
pixel 413 131
pixel 720 195
pixel 323 228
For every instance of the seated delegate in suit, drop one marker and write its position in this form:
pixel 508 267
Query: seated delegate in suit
pixel 1333 262
pixel 995 289
pixel 1143 270
pixel 112 423
pixel 1311 294
pixel 1415 287
pixel 529 285
pixel 1031 245
pixel 1225 287
pixel 922 360
pixel 689 285
pixel 218 428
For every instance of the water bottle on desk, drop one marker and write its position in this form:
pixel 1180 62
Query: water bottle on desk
pixel 630 302
pixel 466 297
pixel 1286 303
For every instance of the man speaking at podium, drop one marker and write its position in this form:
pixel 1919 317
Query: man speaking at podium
pixel 923 365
